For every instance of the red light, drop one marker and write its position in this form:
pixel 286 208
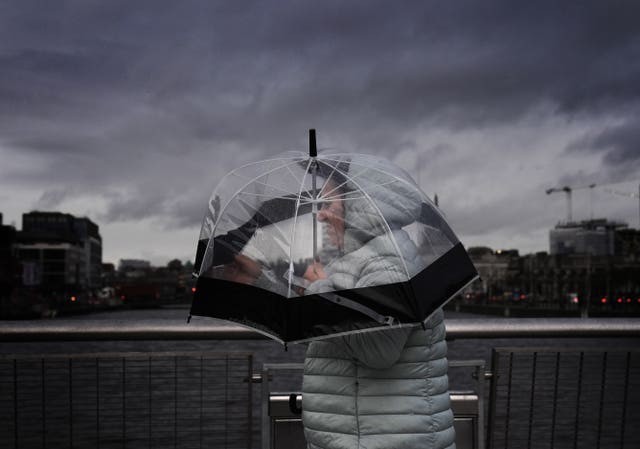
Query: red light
pixel 603 300
pixel 73 299
pixel 628 300
pixel 619 301
pixel 575 300
pixel 122 297
pixel 523 296
pixel 193 289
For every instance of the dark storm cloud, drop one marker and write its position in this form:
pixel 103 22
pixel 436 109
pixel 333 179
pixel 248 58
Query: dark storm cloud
pixel 51 199
pixel 152 94
pixel 410 60
pixel 178 210
pixel 622 143
pixel 618 145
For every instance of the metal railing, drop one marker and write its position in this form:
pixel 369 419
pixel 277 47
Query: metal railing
pixel 79 330
pixel 593 392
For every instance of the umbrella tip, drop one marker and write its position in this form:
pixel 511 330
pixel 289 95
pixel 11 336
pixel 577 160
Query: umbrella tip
pixel 313 149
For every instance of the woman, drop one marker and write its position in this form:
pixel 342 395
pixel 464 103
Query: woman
pixel 379 389
pixel 376 389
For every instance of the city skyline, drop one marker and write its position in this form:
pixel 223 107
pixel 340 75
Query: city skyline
pixel 131 114
pixel 263 249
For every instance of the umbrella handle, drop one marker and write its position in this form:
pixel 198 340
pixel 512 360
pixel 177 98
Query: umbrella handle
pixel 293 404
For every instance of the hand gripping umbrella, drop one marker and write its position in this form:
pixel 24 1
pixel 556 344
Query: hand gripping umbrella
pixel 307 246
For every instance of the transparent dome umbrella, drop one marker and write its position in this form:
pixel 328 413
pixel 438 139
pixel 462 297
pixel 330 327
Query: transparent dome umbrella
pixel 309 245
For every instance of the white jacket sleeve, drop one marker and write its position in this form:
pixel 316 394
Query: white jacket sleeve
pixel 376 349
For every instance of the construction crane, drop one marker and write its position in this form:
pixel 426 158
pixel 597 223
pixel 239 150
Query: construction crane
pixel 568 190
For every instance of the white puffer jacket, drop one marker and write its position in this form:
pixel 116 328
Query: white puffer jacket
pixel 381 389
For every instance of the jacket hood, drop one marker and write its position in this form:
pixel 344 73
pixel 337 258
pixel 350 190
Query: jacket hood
pixel 380 202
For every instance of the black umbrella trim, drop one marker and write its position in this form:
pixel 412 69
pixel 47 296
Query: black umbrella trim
pixel 299 318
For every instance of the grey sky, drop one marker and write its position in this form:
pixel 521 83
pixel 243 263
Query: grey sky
pixel 130 112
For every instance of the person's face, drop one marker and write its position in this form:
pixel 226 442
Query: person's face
pixel 332 214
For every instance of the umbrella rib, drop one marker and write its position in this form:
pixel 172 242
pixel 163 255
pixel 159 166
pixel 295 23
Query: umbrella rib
pixel 261 162
pixel 300 181
pixel 224 209
pixel 256 180
pixel 346 177
pixel 394 176
pixel 433 249
pixel 328 195
pixel 333 198
pixel 343 195
pixel 264 195
pixel 333 170
pixel 379 170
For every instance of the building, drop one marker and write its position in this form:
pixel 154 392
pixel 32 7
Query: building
pixel 108 274
pixel 591 262
pixel 579 278
pixel 89 234
pixel 627 244
pixel 59 251
pixel 8 260
pixel 595 237
pixel 571 282
pixel 495 269
pixel 133 265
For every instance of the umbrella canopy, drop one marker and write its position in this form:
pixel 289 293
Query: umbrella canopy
pixel 306 246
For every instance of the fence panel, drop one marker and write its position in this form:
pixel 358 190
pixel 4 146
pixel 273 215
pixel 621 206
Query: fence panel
pixel 567 398
pixel 158 400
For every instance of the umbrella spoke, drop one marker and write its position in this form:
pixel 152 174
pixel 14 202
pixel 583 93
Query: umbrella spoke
pixel 266 161
pixel 299 181
pixel 355 162
pixel 257 179
pixel 347 177
pixel 272 187
pixel 264 195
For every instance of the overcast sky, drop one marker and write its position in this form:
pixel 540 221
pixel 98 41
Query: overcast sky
pixel 130 112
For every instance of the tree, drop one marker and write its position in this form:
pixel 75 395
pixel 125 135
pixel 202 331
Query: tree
pixel 175 265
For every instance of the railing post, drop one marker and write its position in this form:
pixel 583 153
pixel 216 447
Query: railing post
pixel 266 424
pixel 480 377
pixel 250 403
pixel 492 396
